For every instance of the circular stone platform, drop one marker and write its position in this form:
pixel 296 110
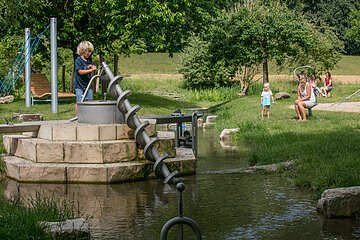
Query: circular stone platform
pixel 88 153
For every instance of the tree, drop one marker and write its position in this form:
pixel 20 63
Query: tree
pixel 354 30
pixel 117 26
pixel 249 36
pixel 333 13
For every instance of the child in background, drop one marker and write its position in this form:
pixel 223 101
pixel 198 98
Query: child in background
pixel 328 85
pixel 314 86
pixel 265 100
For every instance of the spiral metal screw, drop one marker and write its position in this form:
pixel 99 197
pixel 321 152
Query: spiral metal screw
pixel 132 120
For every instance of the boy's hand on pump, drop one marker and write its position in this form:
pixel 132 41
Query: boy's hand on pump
pixel 92 67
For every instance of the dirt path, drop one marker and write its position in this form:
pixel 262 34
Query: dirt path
pixel 339 107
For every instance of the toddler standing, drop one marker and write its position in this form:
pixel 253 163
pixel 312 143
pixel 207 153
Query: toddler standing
pixel 265 100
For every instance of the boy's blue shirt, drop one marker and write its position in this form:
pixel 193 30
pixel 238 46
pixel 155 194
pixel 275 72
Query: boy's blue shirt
pixel 81 81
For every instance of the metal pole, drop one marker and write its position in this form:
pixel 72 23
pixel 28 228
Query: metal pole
pixel 54 83
pixel 27 68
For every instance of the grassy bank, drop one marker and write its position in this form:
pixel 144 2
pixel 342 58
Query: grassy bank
pixel 18 222
pixel 325 147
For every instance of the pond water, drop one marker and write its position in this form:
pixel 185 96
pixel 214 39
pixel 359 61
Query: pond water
pixel 226 203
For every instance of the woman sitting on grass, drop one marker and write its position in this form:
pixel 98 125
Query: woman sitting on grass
pixel 328 85
pixel 306 99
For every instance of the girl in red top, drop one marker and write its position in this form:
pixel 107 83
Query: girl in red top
pixel 328 86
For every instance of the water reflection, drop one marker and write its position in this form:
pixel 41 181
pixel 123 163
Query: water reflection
pixel 226 203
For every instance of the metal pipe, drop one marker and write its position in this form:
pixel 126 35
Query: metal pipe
pixel 27 68
pixel 194 130
pixel 54 82
pixel 88 87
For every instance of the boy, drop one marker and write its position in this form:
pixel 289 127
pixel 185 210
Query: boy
pixel 83 70
pixel 266 97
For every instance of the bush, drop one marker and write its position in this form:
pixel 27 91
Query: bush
pixel 199 69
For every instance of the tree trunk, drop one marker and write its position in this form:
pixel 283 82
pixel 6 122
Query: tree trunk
pixel 265 70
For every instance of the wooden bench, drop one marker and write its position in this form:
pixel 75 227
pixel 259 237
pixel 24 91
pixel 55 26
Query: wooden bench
pixel 41 89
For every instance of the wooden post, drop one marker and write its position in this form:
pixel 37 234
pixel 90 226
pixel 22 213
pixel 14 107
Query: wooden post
pixel 72 80
pixel 63 78
pixel 116 64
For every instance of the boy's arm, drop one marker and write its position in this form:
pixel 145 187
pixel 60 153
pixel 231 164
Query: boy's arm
pixel 272 98
pixel 91 68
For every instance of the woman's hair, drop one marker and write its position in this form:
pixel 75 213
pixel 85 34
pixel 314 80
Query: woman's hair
pixel 83 47
pixel 328 73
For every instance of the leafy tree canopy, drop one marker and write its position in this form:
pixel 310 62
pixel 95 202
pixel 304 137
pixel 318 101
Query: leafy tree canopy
pixel 115 26
pixel 333 13
pixel 249 36
pixel 354 30
pixel 121 25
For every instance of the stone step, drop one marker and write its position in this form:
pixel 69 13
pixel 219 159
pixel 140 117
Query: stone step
pixel 24 170
pixel 46 151
pixel 90 132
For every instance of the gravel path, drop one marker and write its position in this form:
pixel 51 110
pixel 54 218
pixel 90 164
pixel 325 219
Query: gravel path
pixel 339 107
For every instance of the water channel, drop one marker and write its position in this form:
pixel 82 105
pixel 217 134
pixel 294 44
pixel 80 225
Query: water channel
pixel 226 203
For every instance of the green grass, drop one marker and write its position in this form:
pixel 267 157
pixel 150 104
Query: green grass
pixel 149 63
pixel 160 63
pixel 348 65
pixel 22 221
pixel 325 147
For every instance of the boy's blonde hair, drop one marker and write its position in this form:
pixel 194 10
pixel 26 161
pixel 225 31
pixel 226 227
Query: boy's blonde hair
pixel 83 47
pixel 266 84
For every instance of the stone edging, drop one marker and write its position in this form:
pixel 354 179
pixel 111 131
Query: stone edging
pixel 271 167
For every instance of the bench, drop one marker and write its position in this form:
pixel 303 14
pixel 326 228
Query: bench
pixel 41 89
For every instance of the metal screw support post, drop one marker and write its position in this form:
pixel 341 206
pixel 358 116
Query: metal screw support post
pixel 180 220
pixel 132 120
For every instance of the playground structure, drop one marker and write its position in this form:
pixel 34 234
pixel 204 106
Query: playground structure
pixel 22 65
pixel 21 62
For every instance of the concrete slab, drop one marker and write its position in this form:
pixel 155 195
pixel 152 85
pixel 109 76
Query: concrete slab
pixel 107 132
pixel 64 132
pixel 83 152
pixel 118 151
pixel 27 171
pixel 87 132
pixel 11 142
pixel 86 173
pixel 128 171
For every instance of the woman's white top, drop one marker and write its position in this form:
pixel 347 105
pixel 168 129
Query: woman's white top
pixel 303 93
